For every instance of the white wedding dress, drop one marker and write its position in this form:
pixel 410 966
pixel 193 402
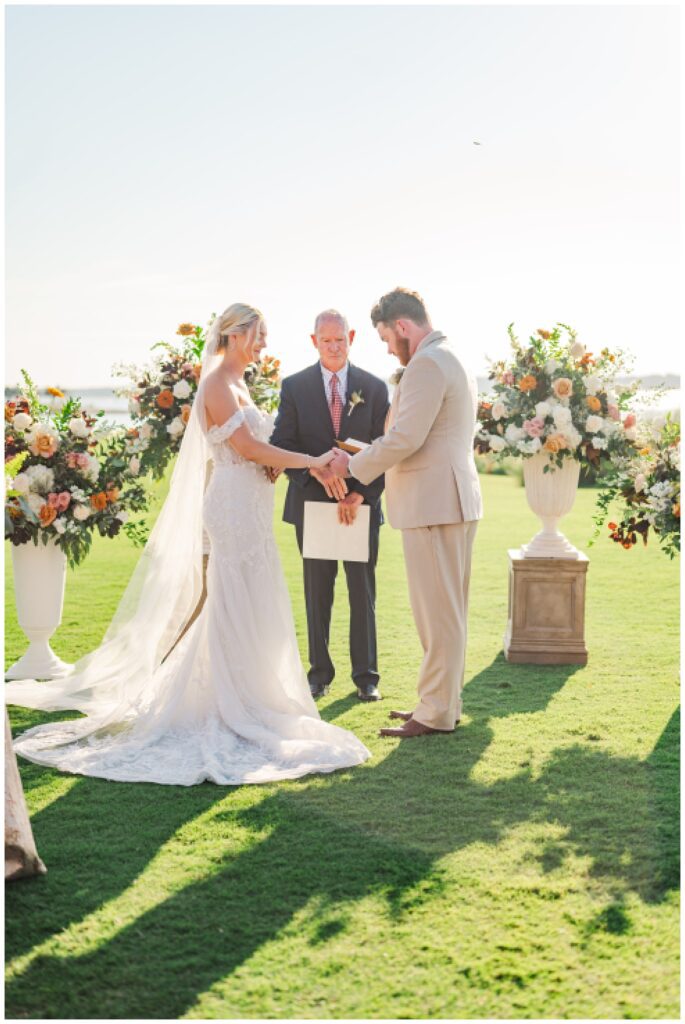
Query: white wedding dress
pixel 231 703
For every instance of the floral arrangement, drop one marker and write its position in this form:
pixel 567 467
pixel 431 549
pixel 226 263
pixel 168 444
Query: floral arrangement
pixel 555 396
pixel 66 476
pixel 646 486
pixel 160 398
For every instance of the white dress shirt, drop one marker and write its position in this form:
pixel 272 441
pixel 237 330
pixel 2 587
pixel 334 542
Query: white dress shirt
pixel 342 382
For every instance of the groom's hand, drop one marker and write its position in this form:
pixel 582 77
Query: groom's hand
pixel 339 463
pixel 347 508
pixel 332 485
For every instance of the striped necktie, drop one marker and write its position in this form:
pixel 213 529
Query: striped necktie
pixel 336 405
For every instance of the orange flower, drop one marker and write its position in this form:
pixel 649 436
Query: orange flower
pixel 562 387
pixel 528 383
pixel 555 443
pixel 612 526
pixel 47 515
pixel 10 409
pixel 165 399
pixel 676 510
pixel 132 432
pixel 544 334
pixel 112 494
pixel 186 329
pixel 55 392
pixel 593 403
pixel 197 370
pixel 185 412
pixel 587 360
pixel 645 451
pixel 98 501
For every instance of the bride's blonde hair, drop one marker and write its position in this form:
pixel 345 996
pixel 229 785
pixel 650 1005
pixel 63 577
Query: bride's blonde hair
pixel 238 319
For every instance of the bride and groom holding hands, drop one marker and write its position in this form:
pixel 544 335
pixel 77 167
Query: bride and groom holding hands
pixel 229 701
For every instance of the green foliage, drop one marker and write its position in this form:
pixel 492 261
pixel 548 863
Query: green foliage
pixel 525 867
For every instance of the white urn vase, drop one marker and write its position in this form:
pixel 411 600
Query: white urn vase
pixel 39 578
pixel 550 495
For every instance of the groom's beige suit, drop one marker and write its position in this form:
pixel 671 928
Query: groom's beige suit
pixel 433 496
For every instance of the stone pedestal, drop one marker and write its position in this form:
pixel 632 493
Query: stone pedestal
pixel 546 618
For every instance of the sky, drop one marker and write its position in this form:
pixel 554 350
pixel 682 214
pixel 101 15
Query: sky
pixel 166 161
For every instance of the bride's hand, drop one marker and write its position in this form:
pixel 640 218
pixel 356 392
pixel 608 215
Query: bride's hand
pixel 321 461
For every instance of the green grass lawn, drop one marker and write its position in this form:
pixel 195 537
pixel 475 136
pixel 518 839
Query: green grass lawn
pixel 525 866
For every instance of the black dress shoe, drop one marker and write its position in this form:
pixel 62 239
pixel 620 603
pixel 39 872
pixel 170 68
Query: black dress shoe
pixel 369 692
pixel 319 691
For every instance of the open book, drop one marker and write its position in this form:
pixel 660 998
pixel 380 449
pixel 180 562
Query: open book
pixel 351 446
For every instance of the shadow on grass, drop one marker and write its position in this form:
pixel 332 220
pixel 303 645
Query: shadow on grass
pixel 327 843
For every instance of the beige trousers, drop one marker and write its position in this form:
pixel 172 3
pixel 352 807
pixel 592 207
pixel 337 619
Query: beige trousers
pixel 438 560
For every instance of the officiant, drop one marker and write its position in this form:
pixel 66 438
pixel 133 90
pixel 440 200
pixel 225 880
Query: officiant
pixel 331 401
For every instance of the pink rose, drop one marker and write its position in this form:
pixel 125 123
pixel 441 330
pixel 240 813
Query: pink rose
pixel 82 460
pixel 614 414
pixel 534 427
pixel 60 501
pixel 508 377
pixel 629 421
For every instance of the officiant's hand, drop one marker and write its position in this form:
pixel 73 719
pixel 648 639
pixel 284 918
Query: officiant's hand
pixel 272 473
pixel 347 508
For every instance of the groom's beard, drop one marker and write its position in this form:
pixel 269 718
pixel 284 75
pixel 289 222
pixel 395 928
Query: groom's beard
pixel 402 350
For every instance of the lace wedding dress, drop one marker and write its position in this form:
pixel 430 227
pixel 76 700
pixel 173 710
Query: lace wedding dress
pixel 231 703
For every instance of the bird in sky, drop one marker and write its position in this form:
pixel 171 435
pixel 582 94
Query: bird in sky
pixel 476 143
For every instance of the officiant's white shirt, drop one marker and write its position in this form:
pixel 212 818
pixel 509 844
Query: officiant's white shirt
pixel 342 382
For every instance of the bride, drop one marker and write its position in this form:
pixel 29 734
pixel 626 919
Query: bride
pixel 225 700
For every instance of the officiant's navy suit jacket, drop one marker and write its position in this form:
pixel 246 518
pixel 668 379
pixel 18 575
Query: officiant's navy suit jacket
pixel 304 425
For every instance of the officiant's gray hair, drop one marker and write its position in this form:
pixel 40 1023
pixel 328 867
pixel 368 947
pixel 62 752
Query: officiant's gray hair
pixel 331 314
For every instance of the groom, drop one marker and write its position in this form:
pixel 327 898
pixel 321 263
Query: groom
pixel 432 495
pixel 330 401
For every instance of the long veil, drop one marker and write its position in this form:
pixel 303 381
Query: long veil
pixel 160 598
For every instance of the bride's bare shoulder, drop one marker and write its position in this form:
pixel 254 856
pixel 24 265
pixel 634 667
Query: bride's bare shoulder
pixel 220 398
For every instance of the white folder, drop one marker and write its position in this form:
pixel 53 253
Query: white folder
pixel 326 537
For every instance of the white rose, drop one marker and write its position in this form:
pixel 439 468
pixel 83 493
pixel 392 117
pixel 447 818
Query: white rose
pixel 22 421
pixel 41 478
pixel 60 525
pixel 22 483
pixel 499 410
pixel 182 389
pixel 134 466
pixel 577 350
pixel 79 427
pixel 176 427
pixel 551 365
pixel 122 516
pixel 535 445
pixel 514 434
pixel 81 513
pixel 543 409
pixel 133 406
pixel 496 443
pixel 593 424
pixel 599 443
pixel 592 384
pixel 146 431
pixel 640 481
pixel 35 502
pixel 92 471
pixel 562 416
pixel 573 437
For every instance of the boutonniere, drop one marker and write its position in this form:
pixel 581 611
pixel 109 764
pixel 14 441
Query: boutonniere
pixel 397 376
pixel 356 398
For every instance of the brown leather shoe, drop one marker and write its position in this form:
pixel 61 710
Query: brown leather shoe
pixel 406 716
pixel 413 728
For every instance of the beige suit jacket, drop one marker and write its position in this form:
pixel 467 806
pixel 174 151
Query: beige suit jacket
pixel 427 451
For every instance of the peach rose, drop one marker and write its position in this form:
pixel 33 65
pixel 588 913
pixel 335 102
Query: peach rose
pixel 43 442
pixel 197 370
pixel 112 494
pixel 614 414
pixel 185 412
pixel 593 403
pixel 47 515
pixel 562 387
pixel 185 329
pixel 98 501
pixel 555 443
pixel 676 510
pixel 528 383
pixel 630 420
pixel 165 399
